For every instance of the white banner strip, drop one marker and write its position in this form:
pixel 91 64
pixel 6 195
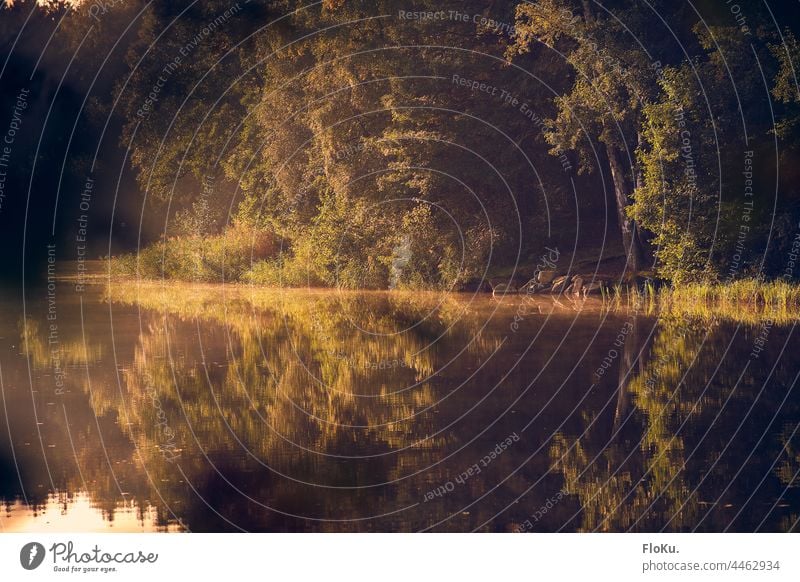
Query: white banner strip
pixel 401 557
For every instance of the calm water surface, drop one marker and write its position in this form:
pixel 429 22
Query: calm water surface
pixel 141 408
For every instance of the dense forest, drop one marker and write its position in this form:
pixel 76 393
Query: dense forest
pixel 420 144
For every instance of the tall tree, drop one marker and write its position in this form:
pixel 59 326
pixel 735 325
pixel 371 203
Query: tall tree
pixel 603 108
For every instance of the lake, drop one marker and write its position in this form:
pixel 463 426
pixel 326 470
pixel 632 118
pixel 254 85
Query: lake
pixel 150 407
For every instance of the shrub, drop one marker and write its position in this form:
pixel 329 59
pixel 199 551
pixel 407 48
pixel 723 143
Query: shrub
pixel 224 257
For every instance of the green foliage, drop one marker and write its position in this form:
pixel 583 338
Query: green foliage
pixel 354 144
pixel 603 108
pixel 706 193
pixel 197 220
pixel 211 259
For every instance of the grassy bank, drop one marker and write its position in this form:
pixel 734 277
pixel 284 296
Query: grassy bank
pixel 251 257
pixel 745 301
pixel 751 292
pixel 227 257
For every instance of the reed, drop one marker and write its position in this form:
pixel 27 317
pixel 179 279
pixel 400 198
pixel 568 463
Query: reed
pixel 746 300
pixel 748 292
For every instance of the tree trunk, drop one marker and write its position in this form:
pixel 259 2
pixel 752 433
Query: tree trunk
pixel 622 196
pixel 645 252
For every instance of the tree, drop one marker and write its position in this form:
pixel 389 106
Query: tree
pixel 708 191
pixel 604 106
pixel 353 117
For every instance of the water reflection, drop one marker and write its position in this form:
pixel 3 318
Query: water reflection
pixel 219 409
pixel 63 513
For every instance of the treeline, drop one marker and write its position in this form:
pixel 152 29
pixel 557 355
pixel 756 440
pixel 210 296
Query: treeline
pixel 425 144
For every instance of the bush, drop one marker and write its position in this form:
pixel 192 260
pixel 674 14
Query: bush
pixel 224 257
pixel 348 244
pixel 282 273
pixel 440 259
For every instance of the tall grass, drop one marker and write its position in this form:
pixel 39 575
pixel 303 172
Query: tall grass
pixel 749 292
pixel 213 259
pixel 745 300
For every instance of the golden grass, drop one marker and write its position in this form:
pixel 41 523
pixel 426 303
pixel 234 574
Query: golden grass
pixel 746 301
